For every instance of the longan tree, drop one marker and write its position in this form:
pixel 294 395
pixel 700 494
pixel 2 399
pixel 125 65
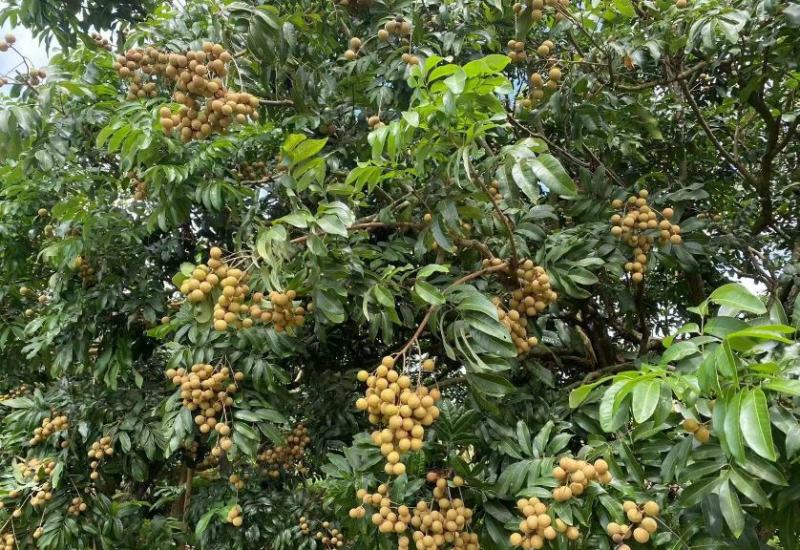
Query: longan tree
pixel 393 274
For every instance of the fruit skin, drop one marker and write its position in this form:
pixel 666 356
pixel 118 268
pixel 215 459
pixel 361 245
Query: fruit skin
pixel 702 434
pixel 690 425
pixel 641 535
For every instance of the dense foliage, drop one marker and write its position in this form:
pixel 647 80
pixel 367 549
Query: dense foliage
pixel 401 273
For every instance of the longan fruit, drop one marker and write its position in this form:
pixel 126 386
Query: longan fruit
pixel 702 434
pixel 649 525
pixel 555 74
pixel 641 535
pixel 651 508
pixel 690 425
pixel 350 55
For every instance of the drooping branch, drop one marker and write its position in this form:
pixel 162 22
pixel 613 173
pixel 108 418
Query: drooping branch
pixel 431 310
pixel 733 161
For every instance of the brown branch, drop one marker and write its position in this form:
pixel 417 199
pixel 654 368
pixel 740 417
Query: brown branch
pixel 790 132
pixel 653 83
pixel 187 496
pixel 735 162
pixel 277 102
pixel 369 226
pixel 475 179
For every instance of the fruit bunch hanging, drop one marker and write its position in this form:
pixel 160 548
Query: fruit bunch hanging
pixel 76 507
pixel 139 187
pixel 700 431
pixel 98 451
pixel 638 224
pixel 536 8
pixel 53 424
pixel 252 170
pixel 288 457
pixel 516 51
pixel 537 526
pixel 100 41
pixel 237 481
pixel 209 391
pixel 196 78
pixel 402 409
pixel 329 536
pixel 38 472
pixel 20 391
pixel 531 296
pixel 227 286
pixel 234 516
pixel 8 541
pixel 643 523
pixel 86 270
pixel 441 523
pixel 574 477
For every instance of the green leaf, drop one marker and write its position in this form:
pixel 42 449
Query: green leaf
pixel 428 293
pixel 755 422
pixel 579 395
pixel 430 269
pixel 679 351
pixel 645 399
pixel 731 509
pixel 553 176
pixel 731 425
pixel 490 384
pixel 749 488
pixel 738 298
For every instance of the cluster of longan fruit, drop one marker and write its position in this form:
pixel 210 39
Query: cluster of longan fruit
pixel 43 495
pixel 286 457
pixel 230 309
pixel 538 526
pixel 19 391
pixel 700 432
pixel 207 106
pixel 532 296
pixel 395 27
pixel 637 224
pixel 8 538
pixel 494 191
pixel 100 41
pixel 643 524
pixel 575 475
pixel 516 51
pixel 6 44
pixel 352 52
pixel 99 450
pixel 709 216
pixel 37 469
pixel 374 122
pixel 50 425
pixel 403 409
pixel 234 516
pixel 86 270
pixel 435 525
pixel 139 188
pixel 237 481
pixel 208 390
pixel 252 170
pixel 536 7
pixel 517 326
pixel 329 536
pixel 76 507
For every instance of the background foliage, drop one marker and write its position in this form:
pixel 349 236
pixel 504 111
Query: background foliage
pixel 383 227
